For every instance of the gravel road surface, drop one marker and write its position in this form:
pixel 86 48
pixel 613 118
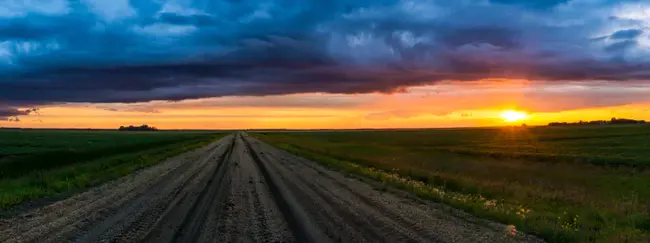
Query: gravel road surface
pixel 239 189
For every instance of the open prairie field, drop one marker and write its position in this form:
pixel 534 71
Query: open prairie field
pixel 36 164
pixel 565 184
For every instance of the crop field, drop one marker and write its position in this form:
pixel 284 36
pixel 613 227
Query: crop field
pixel 564 184
pixel 41 164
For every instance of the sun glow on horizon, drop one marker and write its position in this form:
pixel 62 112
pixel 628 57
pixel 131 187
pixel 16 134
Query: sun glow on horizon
pixel 514 116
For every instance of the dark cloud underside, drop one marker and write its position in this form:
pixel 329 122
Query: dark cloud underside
pixel 131 51
pixel 11 113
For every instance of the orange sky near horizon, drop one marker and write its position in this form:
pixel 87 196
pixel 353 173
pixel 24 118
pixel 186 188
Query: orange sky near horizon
pixel 451 104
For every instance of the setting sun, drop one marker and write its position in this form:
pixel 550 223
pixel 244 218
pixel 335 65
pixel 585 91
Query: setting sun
pixel 513 116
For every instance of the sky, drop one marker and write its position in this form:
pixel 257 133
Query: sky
pixel 228 64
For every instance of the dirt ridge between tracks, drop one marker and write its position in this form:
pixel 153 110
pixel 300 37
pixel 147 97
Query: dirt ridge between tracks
pixel 300 224
pixel 199 208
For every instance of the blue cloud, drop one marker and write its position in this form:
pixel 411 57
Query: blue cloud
pixel 621 46
pixel 130 51
pixel 542 4
pixel 627 34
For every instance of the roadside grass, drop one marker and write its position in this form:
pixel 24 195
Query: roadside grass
pixel 558 200
pixel 29 142
pixel 53 174
pixel 21 165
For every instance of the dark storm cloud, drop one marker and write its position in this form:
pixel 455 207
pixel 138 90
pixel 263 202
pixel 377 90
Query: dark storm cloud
pixel 132 51
pixel 532 3
pixel 621 46
pixel 8 112
pixel 627 34
pixel 11 114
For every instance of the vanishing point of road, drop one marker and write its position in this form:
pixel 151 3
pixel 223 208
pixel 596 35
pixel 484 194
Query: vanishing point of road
pixel 239 189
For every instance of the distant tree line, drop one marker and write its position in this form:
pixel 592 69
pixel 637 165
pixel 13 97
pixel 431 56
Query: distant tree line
pixel 613 121
pixel 139 128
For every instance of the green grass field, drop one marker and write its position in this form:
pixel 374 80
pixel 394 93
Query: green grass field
pixel 36 164
pixel 565 184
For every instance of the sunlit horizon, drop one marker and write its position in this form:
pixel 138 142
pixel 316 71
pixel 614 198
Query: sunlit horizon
pixel 514 116
pixel 445 105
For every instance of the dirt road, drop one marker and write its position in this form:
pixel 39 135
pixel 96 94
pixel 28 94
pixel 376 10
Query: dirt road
pixel 242 190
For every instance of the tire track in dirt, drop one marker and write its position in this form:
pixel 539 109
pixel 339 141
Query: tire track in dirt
pixel 167 228
pixel 301 225
pixel 400 220
pixel 368 214
pixel 373 227
pixel 72 218
pixel 251 214
pixel 135 222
